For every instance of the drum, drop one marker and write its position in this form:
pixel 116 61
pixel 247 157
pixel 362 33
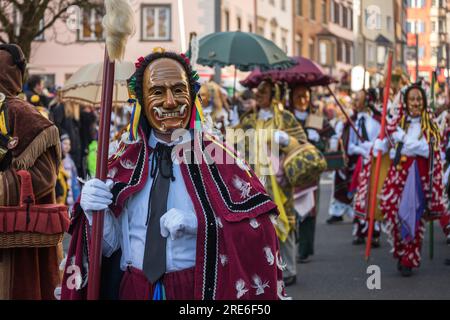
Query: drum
pixel 335 160
pixel 304 165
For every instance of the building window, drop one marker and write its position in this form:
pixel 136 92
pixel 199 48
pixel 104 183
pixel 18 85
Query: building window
pixel 272 2
pixel 349 53
pixel 227 20
pixel 283 5
pixel 312 9
pixel 416 3
pixel 299 7
pixel 324 12
pixel 41 37
pixel 339 51
pixel 156 23
pixel 344 17
pixel 239 23
pixel 250 27
pixel 389 24
pixel 92 28
pixel 350 17
pixel 299 45
pixel 325 53
pixel 373 17
pixel 421 53
pixel 17 22
pixel 336 12
pixel 284 43
pixel 311 49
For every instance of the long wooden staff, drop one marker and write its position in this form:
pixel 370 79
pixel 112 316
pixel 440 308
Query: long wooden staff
pixel 119 25
pixel 345 114
pixel 373 196
pixel 431 223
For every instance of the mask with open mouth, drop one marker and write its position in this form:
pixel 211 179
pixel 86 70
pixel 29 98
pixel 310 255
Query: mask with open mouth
pixel 166 96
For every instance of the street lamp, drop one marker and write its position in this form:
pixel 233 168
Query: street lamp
pixel 383 44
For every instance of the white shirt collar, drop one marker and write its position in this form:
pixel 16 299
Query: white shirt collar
pixel 414 120
pixel 153 140
pixel 301 115
pixel 363 114
pixel 265 114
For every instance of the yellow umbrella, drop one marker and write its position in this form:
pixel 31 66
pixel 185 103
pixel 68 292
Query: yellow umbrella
pixel 85 85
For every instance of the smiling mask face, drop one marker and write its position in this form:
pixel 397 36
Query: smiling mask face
pixel 415 103
pixel 166 96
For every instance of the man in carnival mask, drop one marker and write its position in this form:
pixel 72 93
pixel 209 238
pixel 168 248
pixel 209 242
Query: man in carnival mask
pixel 174 229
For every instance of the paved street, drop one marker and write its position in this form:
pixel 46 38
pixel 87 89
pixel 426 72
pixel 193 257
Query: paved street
pixel 338 269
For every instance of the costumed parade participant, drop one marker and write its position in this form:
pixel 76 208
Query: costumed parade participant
pixel 318 132
pixel 275 125
pixel 413 191
pixel 368 126
pixel 215 108
pixel 174 229
pixel 342 201
pixel 29 146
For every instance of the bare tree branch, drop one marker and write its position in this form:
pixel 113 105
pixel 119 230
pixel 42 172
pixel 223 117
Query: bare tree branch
pixel 37 16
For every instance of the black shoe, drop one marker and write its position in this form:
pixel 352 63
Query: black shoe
pixel 375 242
pixel 447 262
pixel 334 219
pixel 448 240
pixel 399 265
pixel 358 241
pixel 303 259
pixel 289 281
pixel 406 271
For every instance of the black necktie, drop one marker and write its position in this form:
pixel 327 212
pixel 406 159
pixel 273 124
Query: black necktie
pixel 362 125
pixel 154 265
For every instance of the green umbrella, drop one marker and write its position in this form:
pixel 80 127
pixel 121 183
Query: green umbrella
pixel 246 51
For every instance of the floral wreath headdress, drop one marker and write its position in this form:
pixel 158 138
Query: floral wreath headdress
pixel 197 118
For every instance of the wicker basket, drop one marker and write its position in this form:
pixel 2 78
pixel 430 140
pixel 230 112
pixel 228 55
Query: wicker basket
pixel 30 225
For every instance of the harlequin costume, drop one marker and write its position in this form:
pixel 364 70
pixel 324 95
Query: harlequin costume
pixel 226 204
pixel 413 190
pixel 29 142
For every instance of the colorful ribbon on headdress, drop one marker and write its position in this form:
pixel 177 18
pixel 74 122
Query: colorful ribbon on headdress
pixel 134 121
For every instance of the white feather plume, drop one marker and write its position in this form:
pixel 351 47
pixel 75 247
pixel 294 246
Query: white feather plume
pixel 118 24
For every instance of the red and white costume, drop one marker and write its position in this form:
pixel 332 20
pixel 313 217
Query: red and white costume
pixel 406 223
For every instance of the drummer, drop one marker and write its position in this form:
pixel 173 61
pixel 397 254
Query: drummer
pixel 319 132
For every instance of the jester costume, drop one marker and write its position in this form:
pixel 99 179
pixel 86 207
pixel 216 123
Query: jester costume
pixel 28 142
pixel 230 207
pixel 413 190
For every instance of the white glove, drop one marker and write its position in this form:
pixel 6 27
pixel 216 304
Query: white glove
pixel 367 145
pixel 313 135
pixel 392 153
pixel 96 196
pixel 446 176
pixel 176 222
pixel 399 135
pixel 281 138
pixel 413 148
pixel 380 146
pixel 334 144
